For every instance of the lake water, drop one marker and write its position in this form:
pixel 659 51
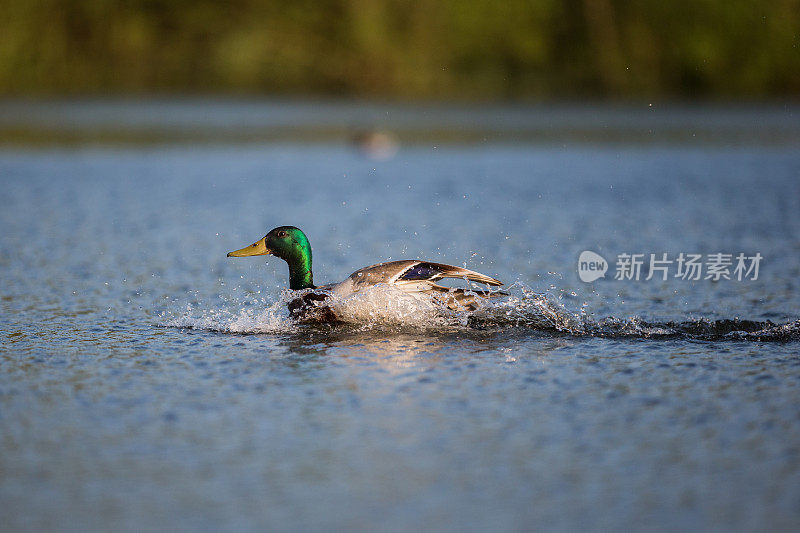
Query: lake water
pixel 149 382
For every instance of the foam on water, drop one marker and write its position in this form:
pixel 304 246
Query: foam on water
pixel 387 307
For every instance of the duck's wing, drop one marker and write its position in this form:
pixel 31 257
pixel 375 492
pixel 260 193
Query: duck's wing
pixel 411 275
pixel 423 275
pixel 427 271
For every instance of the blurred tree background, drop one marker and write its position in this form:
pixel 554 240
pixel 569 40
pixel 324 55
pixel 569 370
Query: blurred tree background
pixel 403 49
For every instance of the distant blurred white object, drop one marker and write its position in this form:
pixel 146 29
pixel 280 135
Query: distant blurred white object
pixel 375 144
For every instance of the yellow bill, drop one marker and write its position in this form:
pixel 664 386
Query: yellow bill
pixel 257 248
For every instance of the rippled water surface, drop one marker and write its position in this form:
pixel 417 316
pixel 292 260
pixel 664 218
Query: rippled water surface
pixel 147 381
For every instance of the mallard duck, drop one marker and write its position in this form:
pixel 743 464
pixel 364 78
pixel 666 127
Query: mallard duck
pixel 411 276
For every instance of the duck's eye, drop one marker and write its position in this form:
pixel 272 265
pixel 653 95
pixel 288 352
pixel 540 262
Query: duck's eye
pixel 281 234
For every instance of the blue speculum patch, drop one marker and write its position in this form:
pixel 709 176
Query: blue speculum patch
pixel 421 271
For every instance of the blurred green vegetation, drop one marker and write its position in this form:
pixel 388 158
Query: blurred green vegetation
pixel 402 49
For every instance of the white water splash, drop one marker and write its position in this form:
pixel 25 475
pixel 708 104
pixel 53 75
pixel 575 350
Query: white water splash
pixel 525 308
pixel 384 306
pixel 261 318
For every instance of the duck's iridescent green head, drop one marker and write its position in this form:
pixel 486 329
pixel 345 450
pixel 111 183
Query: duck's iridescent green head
pixel 291 245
